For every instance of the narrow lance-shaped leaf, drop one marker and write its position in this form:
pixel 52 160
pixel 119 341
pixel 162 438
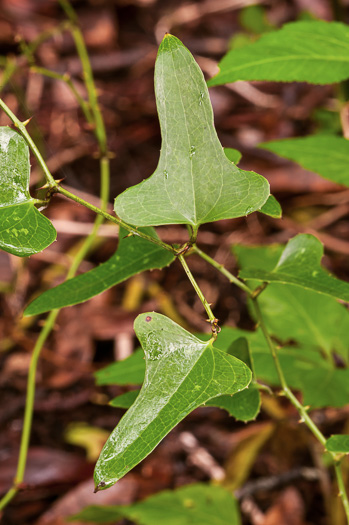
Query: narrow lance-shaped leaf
pixel 300 264
pixel 325 155
pixel 194 182
pixel 23 229
pixel 134 255
pixel 315 52
pixel 182 373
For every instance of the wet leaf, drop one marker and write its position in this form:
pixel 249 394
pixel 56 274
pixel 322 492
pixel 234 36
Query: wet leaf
pixel 194 182
pixel 300 265
pixel 24 230
pixel 182 373
pixel 134 255
pixel 315 52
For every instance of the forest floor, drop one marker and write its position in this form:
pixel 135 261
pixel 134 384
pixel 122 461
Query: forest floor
pixel 72 416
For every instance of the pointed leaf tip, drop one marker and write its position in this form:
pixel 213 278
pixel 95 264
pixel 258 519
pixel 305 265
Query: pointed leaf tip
pixel 182 373
pixel 194 183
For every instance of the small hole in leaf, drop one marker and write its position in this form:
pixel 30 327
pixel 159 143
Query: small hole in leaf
pixel 148 318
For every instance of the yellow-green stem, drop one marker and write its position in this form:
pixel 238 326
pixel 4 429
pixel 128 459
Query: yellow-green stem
pixel 285 388
pixel 196 287
pixel 223 270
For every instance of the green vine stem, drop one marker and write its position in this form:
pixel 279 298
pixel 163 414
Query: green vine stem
pixel 305 418
pixel 116 220
pixel 211 318
pixel 88 75
pixel 223 270
pixel 21 127
pixel 54 187
pixel 68 81
pixel 97 119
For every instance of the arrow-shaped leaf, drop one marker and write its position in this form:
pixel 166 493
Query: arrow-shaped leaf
pixel 300 264
pixel 134 255
pixel 194 182
pixel 315 52
pixel 182 373
pixel 23 229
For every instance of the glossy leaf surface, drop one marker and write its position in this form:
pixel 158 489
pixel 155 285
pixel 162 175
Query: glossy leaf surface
pixel 338 444
pixel 314 51
pixel 194 182
pixel 326 155
pixel 24 230
pixel 300 265
pixel 295 314
pixel 182 373
pixel 134 255
pixel 197 504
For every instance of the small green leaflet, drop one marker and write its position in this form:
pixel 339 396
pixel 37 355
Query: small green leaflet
pixel 182 373
pixel 24 230
pixel 272 208
pixel 316 52
pixel 194 182
pixel 300 265
pixel 134 255
pixel 197 504
pixel 326 155
pixel 129 371
pixel 124 400
pixel 338 444
pixel 233 155
pixel 244 405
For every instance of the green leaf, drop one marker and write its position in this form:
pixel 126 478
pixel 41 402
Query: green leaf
pixel 125 400
pixel 134 255
pixel 272 208
pixel 338 444
pixel 194 182
pixel 315 52
pixel 233 155
pixel 326 155
pixel 24 230
pixel 197 504
pixel 182 373
pixel 295 314
pixel 299 265
pixel 305 369
pixel 129 371
pixel 243 406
